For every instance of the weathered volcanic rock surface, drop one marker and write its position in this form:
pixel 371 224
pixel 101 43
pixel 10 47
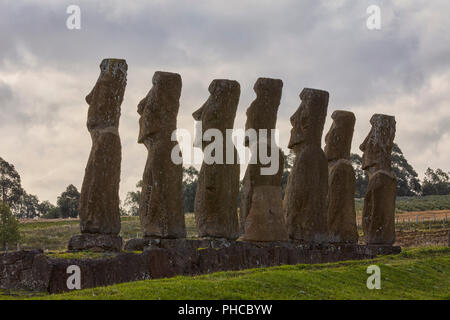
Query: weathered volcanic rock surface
pixel 167 258
pixel 265 222
pixel 99 198
pixel 261 211
pixel 215 205
pixel 95 242
pixel 305 200
pixel 161 204
pixel 341 179
pixel 378 217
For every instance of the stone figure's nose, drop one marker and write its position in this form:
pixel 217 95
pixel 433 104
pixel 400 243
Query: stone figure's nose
pixel 140 108
pixel 89 97
pixel 197 115
pixel 293 118
pixel 362 147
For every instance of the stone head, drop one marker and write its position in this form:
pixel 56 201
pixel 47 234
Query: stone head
pixel 159 109
pixel 105 98
pixel 338 141
pixel 377 147
pixel 309 119
pixel 219 111
pixel 262 113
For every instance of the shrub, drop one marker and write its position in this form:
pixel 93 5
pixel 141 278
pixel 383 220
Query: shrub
pixel 9 227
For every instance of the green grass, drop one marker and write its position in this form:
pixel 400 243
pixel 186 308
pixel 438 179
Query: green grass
pixel 427 203
pixel 55 235
pixel 80 255
pixel 414 274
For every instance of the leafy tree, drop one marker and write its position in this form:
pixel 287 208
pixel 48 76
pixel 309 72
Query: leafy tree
pixel 122 210
pixel 10 185
pixel 436 182
pixel 132 200
pixel 21 204
pixel 288 163
pixel 190 181
pixel 44 208
pixel 68 202
pixel 28 206
pixel 408 183
pixel 53 213
pixel 9 226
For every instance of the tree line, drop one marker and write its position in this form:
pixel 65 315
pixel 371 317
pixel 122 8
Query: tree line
pixel 435 182
pixel 27 206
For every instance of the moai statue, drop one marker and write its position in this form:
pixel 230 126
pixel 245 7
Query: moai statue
pixel 218 183
pixel 305 201
pixel 341 179
pixel 261 213
pixel 161 204
pixel 99 199
pixel 378 218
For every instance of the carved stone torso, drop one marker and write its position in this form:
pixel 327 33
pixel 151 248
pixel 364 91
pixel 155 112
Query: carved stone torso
pixel 215 204
pixel 378 218
pixel 341 202
pixel 307 187
pixel 305 199
pixel 216 201
pixel 99 198
pixel 261 202
pixel 161 204
pixel 341 179
pixel 379 203
pixel 261 215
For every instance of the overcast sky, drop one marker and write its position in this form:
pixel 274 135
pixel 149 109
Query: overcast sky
pixel 46 70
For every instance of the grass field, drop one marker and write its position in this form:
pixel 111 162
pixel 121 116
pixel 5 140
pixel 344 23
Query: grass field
pixel 49 235
pixel 414 274
pixel 407 204
pixel 54 235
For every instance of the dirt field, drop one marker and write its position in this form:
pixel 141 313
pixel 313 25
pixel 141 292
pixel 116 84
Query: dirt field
pixel 427 215
pixel 423 238
pixel 422 215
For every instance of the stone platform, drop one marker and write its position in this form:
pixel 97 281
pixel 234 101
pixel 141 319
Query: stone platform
pixel 33 270
pixel 95 242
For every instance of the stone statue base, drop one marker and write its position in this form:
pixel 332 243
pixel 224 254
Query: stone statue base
pixel 35 271
pixel 95 242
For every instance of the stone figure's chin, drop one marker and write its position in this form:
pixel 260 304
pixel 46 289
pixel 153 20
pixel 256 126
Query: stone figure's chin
pixel 293 143
pixel 368 166
pixel 145 136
